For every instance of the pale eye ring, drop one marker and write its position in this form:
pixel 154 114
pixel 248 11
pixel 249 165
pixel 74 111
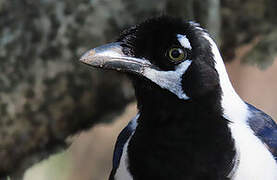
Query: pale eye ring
pixel 177 54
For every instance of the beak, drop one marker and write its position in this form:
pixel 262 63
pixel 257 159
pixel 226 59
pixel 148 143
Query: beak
pixel 111 56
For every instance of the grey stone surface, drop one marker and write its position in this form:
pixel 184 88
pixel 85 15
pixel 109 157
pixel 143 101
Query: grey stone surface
pixel 45 93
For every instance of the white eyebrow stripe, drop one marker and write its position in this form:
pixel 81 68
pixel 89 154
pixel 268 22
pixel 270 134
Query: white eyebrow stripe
pixel 184 41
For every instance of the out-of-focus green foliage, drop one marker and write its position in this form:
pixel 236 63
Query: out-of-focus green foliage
pixel 264 53
pixel 242 22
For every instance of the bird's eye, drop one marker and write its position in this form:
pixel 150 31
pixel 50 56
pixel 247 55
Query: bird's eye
pixel 177 54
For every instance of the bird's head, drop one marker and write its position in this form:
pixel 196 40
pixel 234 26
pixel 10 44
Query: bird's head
pixel 163 55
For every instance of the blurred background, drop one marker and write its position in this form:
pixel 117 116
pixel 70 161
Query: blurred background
pixel 52 104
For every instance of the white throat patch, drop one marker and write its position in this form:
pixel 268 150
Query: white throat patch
pixel 170 80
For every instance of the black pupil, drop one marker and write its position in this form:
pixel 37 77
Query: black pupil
pixel 176 53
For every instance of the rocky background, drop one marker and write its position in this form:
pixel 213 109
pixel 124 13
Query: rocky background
pixel 46 95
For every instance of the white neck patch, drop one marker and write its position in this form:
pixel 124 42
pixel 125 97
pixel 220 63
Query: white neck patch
pixel 122 171
pixel 170 80
pixel 184 41
pixel 253 160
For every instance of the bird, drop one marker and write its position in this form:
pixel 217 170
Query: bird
pixel 191 124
